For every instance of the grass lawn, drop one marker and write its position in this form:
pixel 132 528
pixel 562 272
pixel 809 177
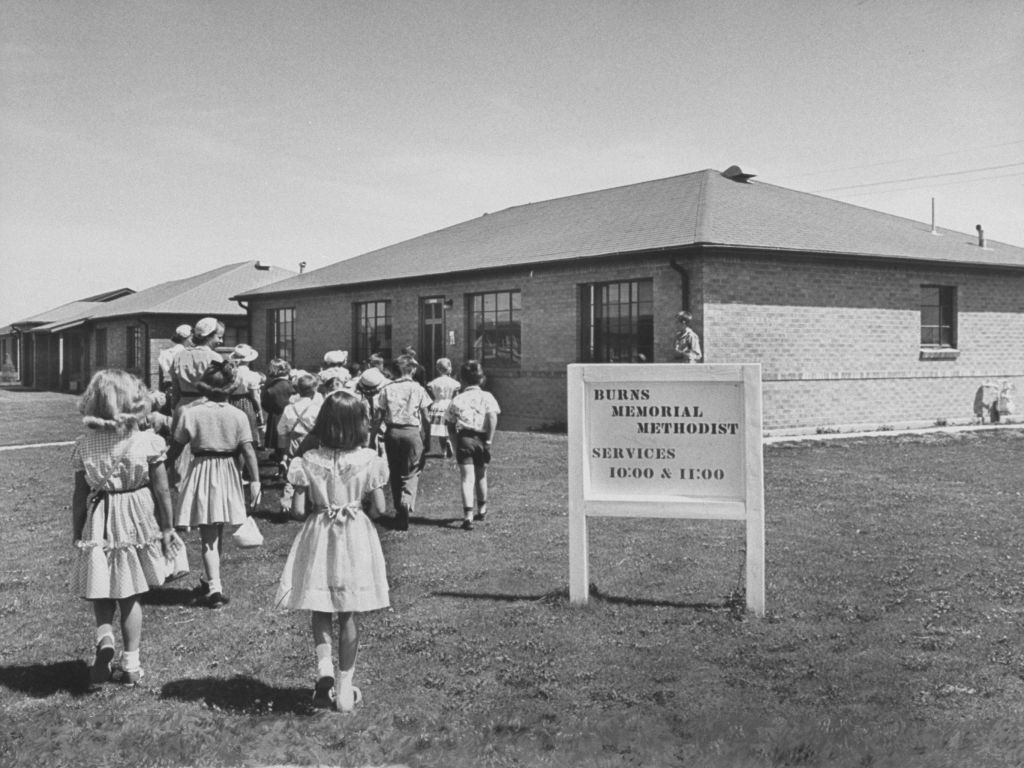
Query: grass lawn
pixel 894 634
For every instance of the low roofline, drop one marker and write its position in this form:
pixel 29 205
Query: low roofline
pixel 700 246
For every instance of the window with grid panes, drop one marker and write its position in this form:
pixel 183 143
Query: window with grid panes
pixel 617 322
pixel 495 329
pixel 373 329
pixel 135 354
pixel 938 316
pixel 281 334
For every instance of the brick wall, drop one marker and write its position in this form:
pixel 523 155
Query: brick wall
pixel 838 341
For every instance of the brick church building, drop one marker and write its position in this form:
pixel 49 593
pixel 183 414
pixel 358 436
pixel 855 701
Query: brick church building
pixel 859 319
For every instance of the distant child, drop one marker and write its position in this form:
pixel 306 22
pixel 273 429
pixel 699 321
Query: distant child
pixel 336 565
pixel 687 343
pixel 277 392
pixel 121 517
pixel 212 496
pixel 248 385
pixel 296 422
pixel 404 405
pixel 472 418
pixel 442 389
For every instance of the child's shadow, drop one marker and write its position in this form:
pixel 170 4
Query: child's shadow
pixel 170 596
pixel 41 680
pixel 242 695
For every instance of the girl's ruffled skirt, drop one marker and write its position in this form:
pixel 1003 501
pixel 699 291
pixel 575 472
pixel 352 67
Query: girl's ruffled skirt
pixel 119 554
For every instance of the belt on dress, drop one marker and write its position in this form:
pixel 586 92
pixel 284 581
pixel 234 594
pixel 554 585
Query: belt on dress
pixel 103 495
pixel 470 433
pixel 221 454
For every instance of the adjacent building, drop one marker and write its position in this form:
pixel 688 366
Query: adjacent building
pixel 60 350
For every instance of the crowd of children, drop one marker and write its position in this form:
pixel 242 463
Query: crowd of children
pixel 341 439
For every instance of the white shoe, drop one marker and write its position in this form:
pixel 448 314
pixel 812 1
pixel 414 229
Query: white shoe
pixel 347 696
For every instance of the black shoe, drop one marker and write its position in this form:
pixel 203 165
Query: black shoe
pixel 467 525
pixel 385 522
pixel 479 516
pixel 203 588
pixel 102 666
pixel 401 523
pixel 217 600
pixel 323 693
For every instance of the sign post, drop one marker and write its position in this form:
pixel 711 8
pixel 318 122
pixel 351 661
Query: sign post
pixel 666 440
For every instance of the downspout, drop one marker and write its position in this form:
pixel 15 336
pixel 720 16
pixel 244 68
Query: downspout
pixel 684 282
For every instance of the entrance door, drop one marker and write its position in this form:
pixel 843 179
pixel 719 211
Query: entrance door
pixel 431 332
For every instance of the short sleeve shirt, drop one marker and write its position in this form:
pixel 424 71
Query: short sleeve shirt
pixel 469 409
pixel 117 461
pixel 403 402
pixel 189 365
pixel 209 426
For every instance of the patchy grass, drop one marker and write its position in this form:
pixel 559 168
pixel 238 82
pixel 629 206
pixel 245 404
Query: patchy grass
pixel 893 636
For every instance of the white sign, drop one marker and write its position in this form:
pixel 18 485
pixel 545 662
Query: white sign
pixel 679 441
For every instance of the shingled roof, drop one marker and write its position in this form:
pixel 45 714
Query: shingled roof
pixel 208 293
pixel 704 207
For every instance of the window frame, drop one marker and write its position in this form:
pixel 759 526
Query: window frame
pixel 506 329
pixel 596 316
pixel 101 348
pixel 281 334
pixel 364 338
pixel 135 353
pixel 938 318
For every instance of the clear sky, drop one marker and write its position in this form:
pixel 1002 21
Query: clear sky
pixel 145 141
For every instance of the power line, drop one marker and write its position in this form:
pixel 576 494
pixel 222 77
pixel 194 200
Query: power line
pixel 943 184
pixel 920 178
pixel 907 159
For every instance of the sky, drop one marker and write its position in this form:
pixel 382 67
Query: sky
pixel 146 141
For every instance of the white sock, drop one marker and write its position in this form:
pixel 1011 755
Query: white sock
pixel 344 694
pixel 324 660
pixel 130 661
pixel 215 586
pixel 102 633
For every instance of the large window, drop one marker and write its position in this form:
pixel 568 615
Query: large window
pixel 281 334
pixel 372 329
pixel 938 316
pixel 617 322
pixel 101 348
pixel 136 357
pixel 495 329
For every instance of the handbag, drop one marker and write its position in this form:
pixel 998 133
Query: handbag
pixel 177 564
pixel 248 534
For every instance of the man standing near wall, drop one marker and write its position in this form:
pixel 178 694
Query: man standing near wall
pixel 687 341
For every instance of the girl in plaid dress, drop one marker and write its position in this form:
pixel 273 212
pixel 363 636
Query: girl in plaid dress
pixel 121 517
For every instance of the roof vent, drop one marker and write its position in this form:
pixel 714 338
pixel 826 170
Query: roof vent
pixel 736 173
pixel 981 236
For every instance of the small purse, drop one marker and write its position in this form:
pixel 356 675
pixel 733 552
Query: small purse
pixel 248 534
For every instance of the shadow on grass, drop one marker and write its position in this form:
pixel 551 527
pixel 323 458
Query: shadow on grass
pixel 170 596
pixel 562 595
pixel 436 522
pixel 41 680
pixel 241 694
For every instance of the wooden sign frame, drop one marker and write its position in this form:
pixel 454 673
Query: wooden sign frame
pixel 734 390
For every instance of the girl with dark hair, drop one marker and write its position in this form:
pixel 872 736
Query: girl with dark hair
pixel 212 496
pixel 277 393
pixel 336 564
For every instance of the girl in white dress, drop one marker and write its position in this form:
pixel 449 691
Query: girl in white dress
pixel 121 516
pixel 336 565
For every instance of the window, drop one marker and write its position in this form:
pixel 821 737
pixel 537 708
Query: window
pixel 495 329
pixel 373 329
pixel 101 347
pixel 938 316
pixel 281 334
pixel 617 322
pixel 135 355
